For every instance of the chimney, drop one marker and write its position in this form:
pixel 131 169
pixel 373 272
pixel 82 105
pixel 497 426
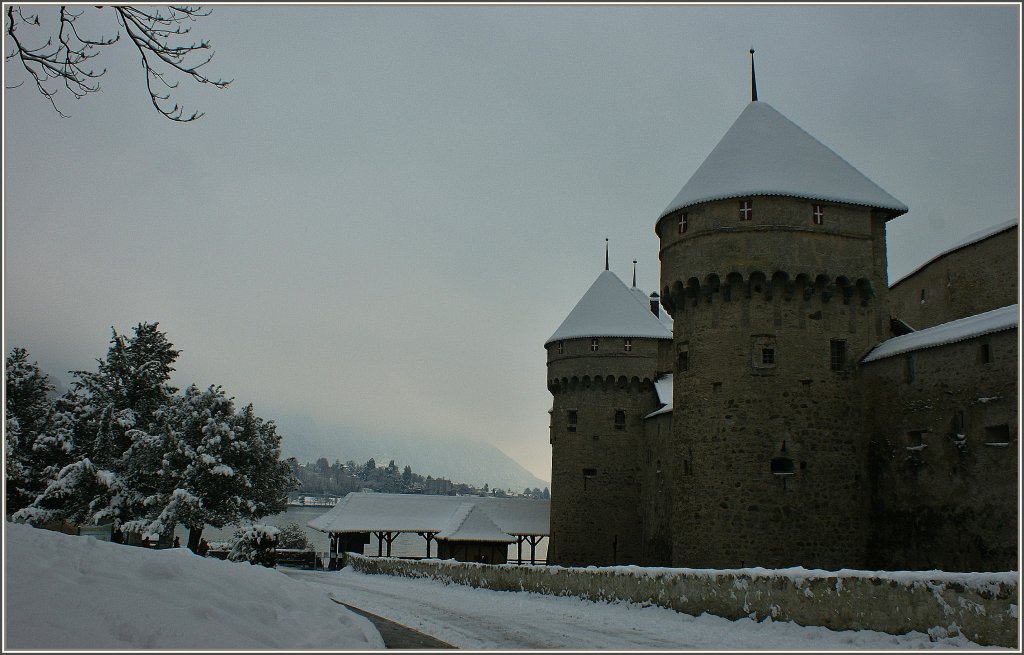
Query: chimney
pixel 655 304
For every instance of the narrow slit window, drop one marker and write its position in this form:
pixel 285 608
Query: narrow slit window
pixel 561 347
pixel 684 361
pixel 837 354
pixel 985 353
pixel 593 345
pixel 571 419
pixel 684 223
pixel 818 215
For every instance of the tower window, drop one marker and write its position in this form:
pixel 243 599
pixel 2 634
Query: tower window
pixel 818 215
pixel 782 466
pixel 908 368
pixel 684 361
pixel 561 347
pixel 763 351
pixel 746 210
pixel 627 344
pixel 620 419
pixel 985 353
pixel 593 345
pixel 837 354
pixel 570 424
pixel 922 296
pixel 684 222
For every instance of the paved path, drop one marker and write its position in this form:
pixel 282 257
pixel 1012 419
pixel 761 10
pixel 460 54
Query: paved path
pixel 396 635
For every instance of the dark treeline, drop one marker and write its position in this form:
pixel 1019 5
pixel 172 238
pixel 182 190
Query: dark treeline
pixel 321 478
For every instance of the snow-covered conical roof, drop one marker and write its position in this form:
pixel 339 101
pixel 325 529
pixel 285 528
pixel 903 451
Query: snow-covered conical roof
pixel 610 309
pixel 766 154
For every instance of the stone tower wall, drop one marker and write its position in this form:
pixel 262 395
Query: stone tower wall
pixel 656 490
pixel 973 279
pixel 944 451
pixel 595 467
pixel 771 457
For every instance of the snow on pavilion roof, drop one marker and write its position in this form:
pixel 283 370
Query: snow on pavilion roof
pixel 970 239
pixel 610 309
pixel 363 512
pixel 766 154
pixel 470 523
pixel 1004 318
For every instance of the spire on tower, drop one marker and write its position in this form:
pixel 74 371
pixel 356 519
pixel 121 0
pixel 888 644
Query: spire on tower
pixel 606 253
pixel 634 273
pixel 753 80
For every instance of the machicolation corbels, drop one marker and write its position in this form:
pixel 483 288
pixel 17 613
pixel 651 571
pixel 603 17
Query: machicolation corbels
pixel 679 295
pixel 632 385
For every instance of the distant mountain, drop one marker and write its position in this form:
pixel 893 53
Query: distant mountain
pixel 465 461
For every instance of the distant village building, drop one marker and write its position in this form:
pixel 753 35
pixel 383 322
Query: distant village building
pixel 778 404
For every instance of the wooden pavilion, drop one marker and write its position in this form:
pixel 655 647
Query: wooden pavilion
pixel 466 528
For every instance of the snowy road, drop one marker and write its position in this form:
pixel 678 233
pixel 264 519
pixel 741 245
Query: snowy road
pixel 482 619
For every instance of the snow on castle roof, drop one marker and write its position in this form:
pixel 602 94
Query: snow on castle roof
pixel 610 309
pixel 361 512
pixel 970 239
pixel 1004 318
pixel 663 387
pixel 764 153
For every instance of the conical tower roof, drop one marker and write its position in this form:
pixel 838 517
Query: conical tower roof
pixel 610 309
pixel 766 154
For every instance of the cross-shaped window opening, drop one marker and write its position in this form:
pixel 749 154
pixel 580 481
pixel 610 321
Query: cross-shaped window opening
pixel 561 347
pixel 746 210
pixel 593 345
pixel 819 215
pixel 684 222
pixel 627 344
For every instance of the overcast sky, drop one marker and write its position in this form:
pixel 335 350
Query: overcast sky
pixel 391 208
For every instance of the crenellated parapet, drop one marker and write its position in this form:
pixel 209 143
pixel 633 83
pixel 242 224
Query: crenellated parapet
pixel 679 295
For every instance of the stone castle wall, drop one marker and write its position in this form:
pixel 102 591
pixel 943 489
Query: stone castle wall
pixel 944 453
pixel 974 279
pixel 657 488
pixel 596 462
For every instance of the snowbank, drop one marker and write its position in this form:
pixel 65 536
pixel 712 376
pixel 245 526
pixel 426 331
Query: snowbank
pixel 981 607
pixel 67 592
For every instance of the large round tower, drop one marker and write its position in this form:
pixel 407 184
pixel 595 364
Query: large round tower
pixel 774 271
pixel 602 362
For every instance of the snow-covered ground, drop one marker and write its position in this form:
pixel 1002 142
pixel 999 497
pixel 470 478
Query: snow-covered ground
pixel 77 593
pixel 482 619
pixel 65 592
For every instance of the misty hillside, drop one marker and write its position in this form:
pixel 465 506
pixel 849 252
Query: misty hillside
pixel 458 460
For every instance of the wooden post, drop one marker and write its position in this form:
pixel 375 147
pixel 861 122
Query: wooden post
pixel 390 537
pixel 534 540
pixel 519 547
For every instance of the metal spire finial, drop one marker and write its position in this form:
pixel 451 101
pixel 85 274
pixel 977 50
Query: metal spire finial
pixel 753 79
pixel 606 253
pixel 634 273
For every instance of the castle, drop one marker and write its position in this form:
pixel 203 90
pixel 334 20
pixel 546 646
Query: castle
pixel 779 403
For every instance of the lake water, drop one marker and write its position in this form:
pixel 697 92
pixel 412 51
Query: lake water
pixel 405 545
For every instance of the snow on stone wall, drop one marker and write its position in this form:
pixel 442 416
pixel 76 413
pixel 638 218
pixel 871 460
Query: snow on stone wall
pixel 982 607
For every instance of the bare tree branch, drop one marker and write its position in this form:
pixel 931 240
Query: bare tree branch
pixel 161 37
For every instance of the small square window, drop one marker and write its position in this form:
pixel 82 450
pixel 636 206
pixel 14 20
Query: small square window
pixel 837 354
pixel 746 210
pixel 684 222
pixel 768 356
pixel 627 344
pixel 762 352
pixel 593 345
pixel 818 215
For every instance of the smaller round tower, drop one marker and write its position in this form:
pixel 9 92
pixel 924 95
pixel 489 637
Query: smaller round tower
pixel 602 363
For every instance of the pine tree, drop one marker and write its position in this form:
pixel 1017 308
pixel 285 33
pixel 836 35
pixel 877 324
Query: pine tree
pixel 113 413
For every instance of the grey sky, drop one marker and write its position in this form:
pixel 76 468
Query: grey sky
pixel 381 221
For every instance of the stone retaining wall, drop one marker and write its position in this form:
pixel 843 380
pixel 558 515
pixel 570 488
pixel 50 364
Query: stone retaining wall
pixel 980 606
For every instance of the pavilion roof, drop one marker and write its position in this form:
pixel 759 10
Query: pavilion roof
pixel 373 512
